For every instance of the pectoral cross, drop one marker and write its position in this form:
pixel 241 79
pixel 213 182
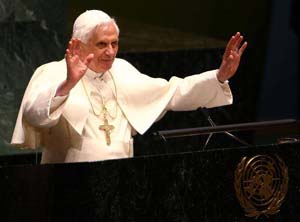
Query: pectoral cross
pixel 107 130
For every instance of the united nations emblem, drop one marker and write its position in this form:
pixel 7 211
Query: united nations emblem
pixel 261 183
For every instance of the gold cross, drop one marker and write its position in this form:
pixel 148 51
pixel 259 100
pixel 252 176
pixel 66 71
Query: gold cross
pixel 107 130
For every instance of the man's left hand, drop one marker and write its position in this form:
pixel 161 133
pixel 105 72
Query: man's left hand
pixel 231 58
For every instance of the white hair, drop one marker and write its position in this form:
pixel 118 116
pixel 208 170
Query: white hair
pixel 85 24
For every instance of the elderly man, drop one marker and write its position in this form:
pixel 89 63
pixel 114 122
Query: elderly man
pixel 88 106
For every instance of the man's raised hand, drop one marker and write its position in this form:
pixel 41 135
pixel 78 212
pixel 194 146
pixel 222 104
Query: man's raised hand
pixel 231 58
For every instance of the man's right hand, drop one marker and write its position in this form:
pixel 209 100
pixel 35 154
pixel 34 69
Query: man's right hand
pixel 76 68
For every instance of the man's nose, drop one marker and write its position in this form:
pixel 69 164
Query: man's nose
pixel 109 50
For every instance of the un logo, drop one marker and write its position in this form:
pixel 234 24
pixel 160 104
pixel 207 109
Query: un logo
pixel 261 183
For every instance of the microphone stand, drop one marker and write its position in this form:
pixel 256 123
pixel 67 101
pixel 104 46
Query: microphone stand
pixel 212 123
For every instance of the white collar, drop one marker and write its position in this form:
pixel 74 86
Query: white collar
pixel 91 75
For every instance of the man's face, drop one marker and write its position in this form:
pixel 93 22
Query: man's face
pixel 104 45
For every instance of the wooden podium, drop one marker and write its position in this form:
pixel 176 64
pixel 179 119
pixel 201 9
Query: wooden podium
pixel 208 186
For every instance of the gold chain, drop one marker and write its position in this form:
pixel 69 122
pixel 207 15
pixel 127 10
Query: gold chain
pixel 104 109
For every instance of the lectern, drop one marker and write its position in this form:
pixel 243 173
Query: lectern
pixel 239 183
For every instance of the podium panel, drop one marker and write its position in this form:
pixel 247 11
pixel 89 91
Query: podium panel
pixel 191 186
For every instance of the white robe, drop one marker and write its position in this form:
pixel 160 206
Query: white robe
pixel 142 99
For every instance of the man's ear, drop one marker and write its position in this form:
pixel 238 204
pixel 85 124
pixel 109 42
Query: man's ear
pixel 77 45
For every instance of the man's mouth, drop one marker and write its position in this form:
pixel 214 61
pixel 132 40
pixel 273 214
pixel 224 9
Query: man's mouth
pixel 107 60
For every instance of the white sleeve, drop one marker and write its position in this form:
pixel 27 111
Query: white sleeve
pixel 56 106
pixel 202 90
pixel 45 109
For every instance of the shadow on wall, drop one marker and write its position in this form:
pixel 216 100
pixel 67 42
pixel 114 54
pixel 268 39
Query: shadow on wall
pixel 280 97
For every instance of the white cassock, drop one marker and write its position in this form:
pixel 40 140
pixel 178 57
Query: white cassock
pixel 68 127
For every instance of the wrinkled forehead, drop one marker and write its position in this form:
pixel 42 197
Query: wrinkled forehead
pixel 106 27
pixel 103 32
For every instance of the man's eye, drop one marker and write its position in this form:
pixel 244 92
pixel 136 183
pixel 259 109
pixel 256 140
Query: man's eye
pixel 114 44
pixel 101 45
